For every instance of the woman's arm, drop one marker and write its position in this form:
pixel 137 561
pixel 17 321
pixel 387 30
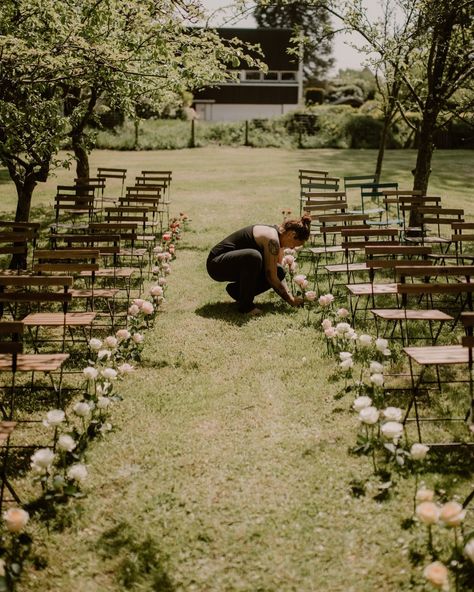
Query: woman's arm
pixel 267 238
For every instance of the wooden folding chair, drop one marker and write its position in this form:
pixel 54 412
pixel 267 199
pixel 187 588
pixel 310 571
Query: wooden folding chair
pixel 113 173
pixel 41 292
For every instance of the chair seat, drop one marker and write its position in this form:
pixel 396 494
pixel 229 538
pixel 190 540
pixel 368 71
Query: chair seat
pixel 323 250
pixel 58 319
pixel 438 354
pixel 369 289
pixel 133 252
pixel 397 314
pixel 342 267
pixel 33 362
pixel 121 272
pixel 96 293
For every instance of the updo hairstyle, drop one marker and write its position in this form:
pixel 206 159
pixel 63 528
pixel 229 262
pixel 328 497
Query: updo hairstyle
pixel 301 227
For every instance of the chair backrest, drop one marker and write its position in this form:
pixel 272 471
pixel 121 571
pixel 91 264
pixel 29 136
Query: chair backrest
pixel 34 289
pixel 355 181
pixel 65 260
pixel 355 238
pixel 11 333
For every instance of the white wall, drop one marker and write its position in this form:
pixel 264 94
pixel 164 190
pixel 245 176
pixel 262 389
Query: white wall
pixel 230 112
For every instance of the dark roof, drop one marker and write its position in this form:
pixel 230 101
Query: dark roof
pixel 273 42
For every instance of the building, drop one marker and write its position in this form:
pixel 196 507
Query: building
pixel 255 94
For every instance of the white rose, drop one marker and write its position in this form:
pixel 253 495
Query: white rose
pixel 381 344
pixel 392 414
pixel 66 443
pixel 103 402
pixel 15 519
pixel 351 334
pixel 345 356
pixel 326 323
pixel 365 340
pixel 104 353
pixel 77 472
pixel 361 403
pixel 418 451
pixel 54 418
pixel 90 373
pixel 427 512
pixel 377 379
pixel 82 409
pixel 342 313
pixel 392 430
pixel 109 373
pixel 43 457
pixel 469 550
pixel 452 514
pixel 299 279
pixel 95 344
pixel 122 335
pixel 369 415
pixel 346 365
pixel 342 328
pixel 376 368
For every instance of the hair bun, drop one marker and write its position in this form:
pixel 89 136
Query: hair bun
pixel 306 220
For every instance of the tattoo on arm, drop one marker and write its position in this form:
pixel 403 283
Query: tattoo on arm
pixel 273 246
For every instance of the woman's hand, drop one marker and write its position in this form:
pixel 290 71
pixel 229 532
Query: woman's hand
pixel 297 301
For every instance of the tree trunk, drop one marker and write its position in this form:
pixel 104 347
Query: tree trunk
pixel 382 145
pixel 82 158
pixel 423 159
pixel 25 193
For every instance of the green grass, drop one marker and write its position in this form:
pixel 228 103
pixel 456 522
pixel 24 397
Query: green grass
pixel 228 469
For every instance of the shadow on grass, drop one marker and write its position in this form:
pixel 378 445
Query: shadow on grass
pixel 228 312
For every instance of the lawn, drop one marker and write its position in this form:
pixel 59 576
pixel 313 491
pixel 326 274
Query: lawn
pixel 229 466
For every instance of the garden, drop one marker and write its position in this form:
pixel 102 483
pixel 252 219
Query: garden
pixel 204 450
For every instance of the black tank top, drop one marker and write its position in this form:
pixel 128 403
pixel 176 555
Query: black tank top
pixel 240 239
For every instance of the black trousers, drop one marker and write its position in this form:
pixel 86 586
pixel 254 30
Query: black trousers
pixel 245 269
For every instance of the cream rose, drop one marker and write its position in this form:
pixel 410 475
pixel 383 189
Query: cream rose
pixel 437 574
pixel 369 415
pixel 452 513
pixel 419 451
pixel 427 512
pixel 16 519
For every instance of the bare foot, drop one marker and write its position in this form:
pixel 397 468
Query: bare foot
pixel 255 312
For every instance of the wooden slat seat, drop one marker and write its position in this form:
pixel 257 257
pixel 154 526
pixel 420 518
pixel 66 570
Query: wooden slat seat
pixel 70 319
pixel 33 362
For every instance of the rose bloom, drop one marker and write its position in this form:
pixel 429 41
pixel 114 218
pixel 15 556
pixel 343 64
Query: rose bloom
pixel 158 249
pixel 342 328
pixel 342 313
pixel 381 344
pixel 66 443
pixel 109 373
pixel 428 512
pixel 377 379
pixel 133 310
pixel 361 403
pixel 171 249
pixel 310 295
pixel 166 236
pixel 148 308
pixel 103 402
pixel 166 268
pixel 110 341
pixel 103 353
pixel 15 519
pixel 469 550
pixel 418 451
pixel 392 414
pixel 82 409
pixel 437 575
pixel 345 355
pixel 162 281
pixel 287 260
pixel 452 514
pixel 43 457
pixel 122 334
pixel 330 332
pixel 392 430
pixel 365 340
pixel 369 415
pixel 77 472
pixel 137 338
pixel 155 270
pixel 376 368
pixel 90 372
pixel 299 279
pixel 156 291
pixel 324 300
pixel 54 418
pixel 326 323
pixel 346 364
pixel 351 334
pixel 125 368
pixel 95 344
pixel 424 495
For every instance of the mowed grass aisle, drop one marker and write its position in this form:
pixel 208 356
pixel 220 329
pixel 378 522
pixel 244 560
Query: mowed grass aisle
pixel 228 469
